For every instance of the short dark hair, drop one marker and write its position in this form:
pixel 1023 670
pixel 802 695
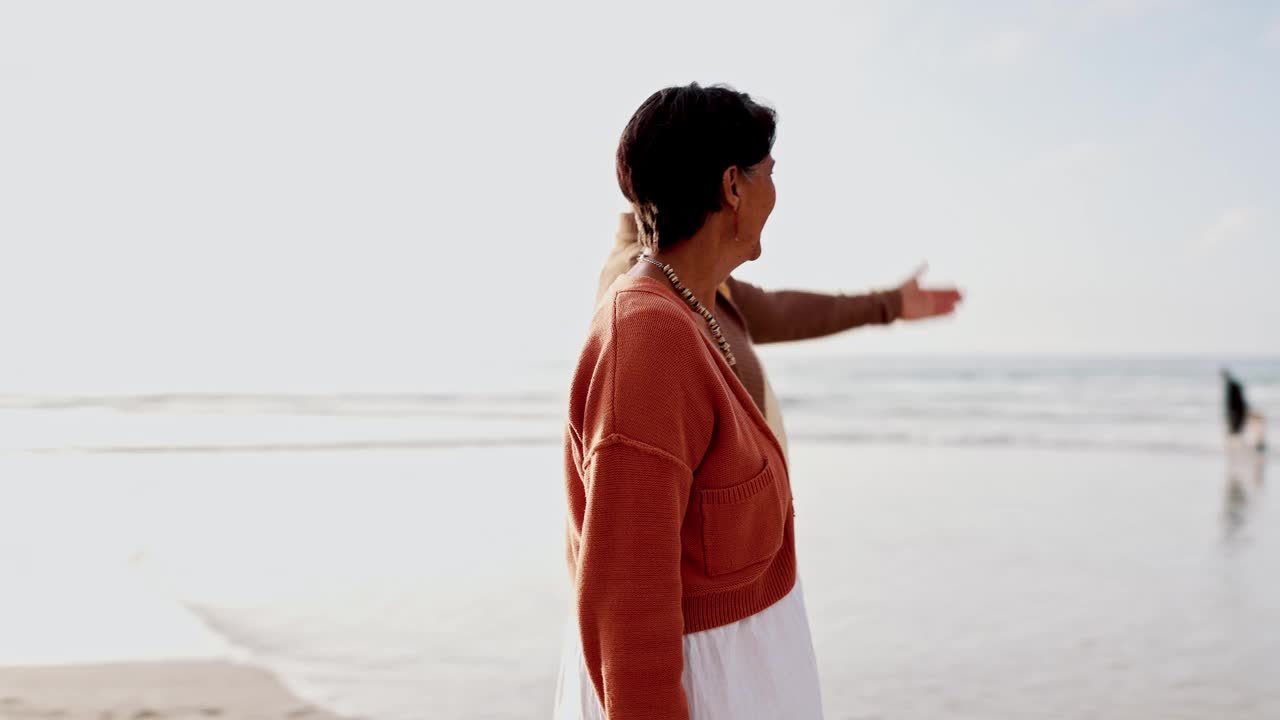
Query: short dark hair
pixel 675 149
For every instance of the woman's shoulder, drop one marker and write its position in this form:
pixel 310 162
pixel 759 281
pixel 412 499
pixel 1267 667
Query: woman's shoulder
pixel 638 314
pixel 646 373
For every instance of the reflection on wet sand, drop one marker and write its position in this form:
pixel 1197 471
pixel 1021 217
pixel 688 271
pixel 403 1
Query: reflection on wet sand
pixel 1243 490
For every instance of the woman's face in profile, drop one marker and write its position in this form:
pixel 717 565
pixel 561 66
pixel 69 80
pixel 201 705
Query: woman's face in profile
pixel 758 196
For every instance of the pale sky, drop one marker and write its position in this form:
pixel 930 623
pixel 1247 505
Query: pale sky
pixel 390 196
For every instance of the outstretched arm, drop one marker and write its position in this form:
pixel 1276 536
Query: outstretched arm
pixel 785 315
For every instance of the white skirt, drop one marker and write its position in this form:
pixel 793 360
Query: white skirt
pixel 760 668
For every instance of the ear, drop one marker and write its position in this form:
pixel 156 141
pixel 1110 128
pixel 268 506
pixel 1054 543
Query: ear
pixel 729 187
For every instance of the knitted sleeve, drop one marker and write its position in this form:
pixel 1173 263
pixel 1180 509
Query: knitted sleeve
pixel 628 585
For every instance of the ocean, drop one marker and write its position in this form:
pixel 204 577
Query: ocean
pixel 1143 403
pixel 980 537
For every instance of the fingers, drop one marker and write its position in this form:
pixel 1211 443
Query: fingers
pixel 946 295
pixel 942 302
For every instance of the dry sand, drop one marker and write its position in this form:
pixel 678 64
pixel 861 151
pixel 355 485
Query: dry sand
pixel 149 691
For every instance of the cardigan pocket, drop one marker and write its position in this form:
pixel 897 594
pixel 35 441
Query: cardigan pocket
pixel 743 524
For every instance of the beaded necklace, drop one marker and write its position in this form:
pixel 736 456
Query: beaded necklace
pixel 698 307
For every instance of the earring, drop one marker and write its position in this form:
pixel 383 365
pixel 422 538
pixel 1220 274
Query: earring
pixel 735 225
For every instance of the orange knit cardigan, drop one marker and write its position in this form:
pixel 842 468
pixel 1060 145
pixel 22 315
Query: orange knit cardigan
pixel 680 514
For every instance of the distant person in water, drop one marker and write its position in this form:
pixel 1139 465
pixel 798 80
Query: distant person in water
pixel 1243 424
pixel 1236 406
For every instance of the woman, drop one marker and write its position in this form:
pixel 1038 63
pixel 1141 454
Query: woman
pixel 680 529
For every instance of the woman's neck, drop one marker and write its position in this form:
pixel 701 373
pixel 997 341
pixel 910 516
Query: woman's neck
pixel 698 262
